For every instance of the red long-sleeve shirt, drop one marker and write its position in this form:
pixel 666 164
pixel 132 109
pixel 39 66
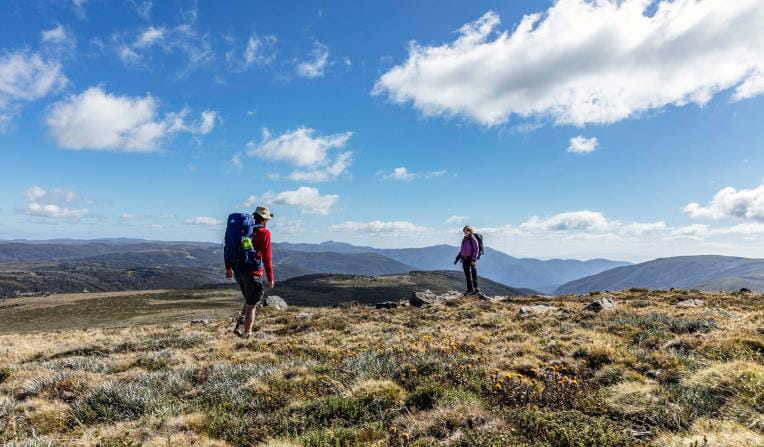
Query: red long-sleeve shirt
pixel 261 241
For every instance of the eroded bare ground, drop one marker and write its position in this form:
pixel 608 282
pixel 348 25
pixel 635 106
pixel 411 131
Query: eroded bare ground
pixel 468 373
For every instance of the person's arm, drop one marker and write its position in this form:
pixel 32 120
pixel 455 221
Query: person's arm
pixel 268 257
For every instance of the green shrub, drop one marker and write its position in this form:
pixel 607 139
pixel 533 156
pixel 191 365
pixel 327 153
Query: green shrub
pixel 158 343
pixel 344 437
pixel 130 398
pixel 569 428
pixel 122 440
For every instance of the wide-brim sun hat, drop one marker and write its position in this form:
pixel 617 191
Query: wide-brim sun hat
pixel 263 212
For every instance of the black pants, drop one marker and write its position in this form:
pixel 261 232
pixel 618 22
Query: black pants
pixel 470 272
pixel 251 287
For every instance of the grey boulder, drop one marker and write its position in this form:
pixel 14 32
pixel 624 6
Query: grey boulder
pixel 601 304
pixel 536 309
pixel 275 301
pixel 694 302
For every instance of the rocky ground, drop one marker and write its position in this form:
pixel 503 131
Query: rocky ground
pixel 638 367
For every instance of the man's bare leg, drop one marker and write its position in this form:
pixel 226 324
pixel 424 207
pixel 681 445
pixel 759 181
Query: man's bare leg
pixel 249 318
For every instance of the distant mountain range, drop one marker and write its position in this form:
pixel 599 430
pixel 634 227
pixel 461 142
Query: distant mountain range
pixel 64 265
pixel 544 276
pixel 707 272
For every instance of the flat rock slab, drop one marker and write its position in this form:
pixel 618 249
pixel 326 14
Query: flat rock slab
pixel 430 298
pixel 601 304
pixel 537 309
pixel 275 302
pixel 691 303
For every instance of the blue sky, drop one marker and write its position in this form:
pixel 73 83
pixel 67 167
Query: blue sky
pixel 628 130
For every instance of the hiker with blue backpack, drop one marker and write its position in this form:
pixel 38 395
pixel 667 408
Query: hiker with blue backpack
pixel 247 255
pixel 469 253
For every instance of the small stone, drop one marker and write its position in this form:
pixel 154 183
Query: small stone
pixel 200 321
pixel 601 304
pixel 690 303
pixel 537 309
pixel 303 315
pixel 276 302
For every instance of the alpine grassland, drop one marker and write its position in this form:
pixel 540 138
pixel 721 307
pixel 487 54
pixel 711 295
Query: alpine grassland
pixel 470 372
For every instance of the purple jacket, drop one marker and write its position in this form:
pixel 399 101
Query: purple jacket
pixel 470 248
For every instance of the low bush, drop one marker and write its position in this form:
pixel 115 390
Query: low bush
pixel 569 428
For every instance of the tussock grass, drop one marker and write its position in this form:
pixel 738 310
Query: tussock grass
pixel 472 373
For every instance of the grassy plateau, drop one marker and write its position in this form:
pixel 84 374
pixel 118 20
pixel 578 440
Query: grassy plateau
pixel 472 372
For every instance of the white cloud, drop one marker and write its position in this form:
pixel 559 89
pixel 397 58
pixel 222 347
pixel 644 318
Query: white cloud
pixel 129 216
pixel 404 175
pixel 584 62
pixel 456 219
pixel 303 148
pixel 729 202
pixel 98 120
pixel 287 226
pixel 570 221
pixel 641 229
pixel 316 66
pixel 582 145
pixel 379 227
pixel 401 174
pixel 259 51
pixel 143 8
pixel 298 147
pixel 54 35
pixel 693 232
pixel 308 200
pixel 25 77
pixel 53 203
pixel 205 221
pixel 149 37
pixel 236 161
pixel 325 173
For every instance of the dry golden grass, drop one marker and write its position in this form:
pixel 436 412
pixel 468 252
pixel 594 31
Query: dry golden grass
pixel 469 373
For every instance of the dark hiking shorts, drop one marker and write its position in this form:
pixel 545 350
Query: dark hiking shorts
pixel 251 287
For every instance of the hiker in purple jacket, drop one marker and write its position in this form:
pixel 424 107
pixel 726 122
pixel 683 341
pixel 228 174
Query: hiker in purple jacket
pixel 468 255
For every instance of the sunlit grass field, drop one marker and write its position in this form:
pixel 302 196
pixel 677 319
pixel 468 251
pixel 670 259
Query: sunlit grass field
pixel 469 373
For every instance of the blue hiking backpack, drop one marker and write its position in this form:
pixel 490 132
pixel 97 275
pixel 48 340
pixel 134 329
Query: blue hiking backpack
pixel 238 250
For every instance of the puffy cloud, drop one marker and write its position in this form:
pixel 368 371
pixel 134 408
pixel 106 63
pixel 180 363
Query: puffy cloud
pixel 404 175
pixel 52 203
pixel 98 120
pixel 325 173
pixel 25 77
pixel 585 61
pixel 205 221
pixel 582 145
pixel 316 66
pixel 693 232
pixel 379 227
pixel 571 221
pixel 308 200
pixel 454 219
pixel 729 202
pixel 303 148
pixel 401 174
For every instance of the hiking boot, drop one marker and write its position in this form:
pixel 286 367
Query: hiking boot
pixel 469 292
pixel 239 324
